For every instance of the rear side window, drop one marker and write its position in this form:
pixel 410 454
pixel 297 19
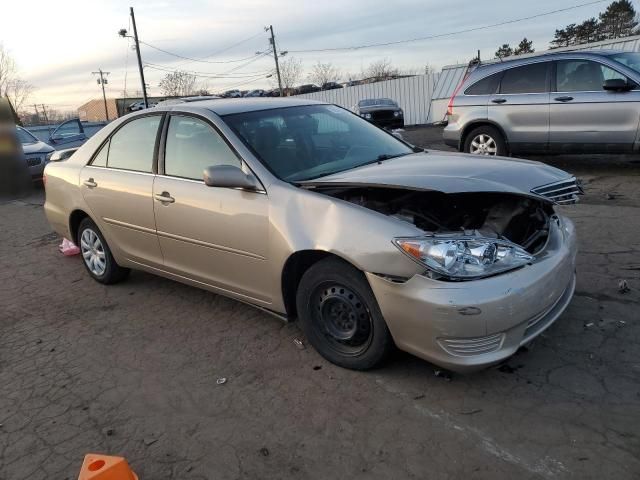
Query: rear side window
pixel 192 145
pixel 526 79
pixel 100 160
pixel 486 86
pixel 131 147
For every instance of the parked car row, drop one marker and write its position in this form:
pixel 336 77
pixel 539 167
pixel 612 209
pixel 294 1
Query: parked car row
pixel 275 92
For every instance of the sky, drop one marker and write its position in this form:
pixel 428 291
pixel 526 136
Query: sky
pixel 57 45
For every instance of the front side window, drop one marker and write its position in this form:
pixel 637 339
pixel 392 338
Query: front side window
pixel 306 142
pixel 583 76
pixel 25 137
pixel 131 147
pixel 628 59
pixel 192 145
pixel 526 79
pixel 486 86
pixel 69 129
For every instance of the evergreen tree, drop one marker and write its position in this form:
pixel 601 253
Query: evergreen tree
pixel 618 20
pixel 525 46
pixel 588 31
pixel 504 51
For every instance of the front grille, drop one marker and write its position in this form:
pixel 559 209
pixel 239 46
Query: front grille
pixel 382 114
pixel 33 161
pixel 562 193
pixel 468 347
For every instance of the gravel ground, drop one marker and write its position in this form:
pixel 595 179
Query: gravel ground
pixel 132 370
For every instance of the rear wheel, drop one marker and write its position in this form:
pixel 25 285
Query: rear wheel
pixel 96 255
pixel 340 316
pixel 485 140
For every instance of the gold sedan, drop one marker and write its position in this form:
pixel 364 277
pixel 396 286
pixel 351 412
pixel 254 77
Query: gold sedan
pixel 308 211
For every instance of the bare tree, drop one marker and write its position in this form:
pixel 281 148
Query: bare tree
pixel 178 84
pixel 18 92
pixel 290 73
pixel 380 70
pixel 12 86
pixel 322 73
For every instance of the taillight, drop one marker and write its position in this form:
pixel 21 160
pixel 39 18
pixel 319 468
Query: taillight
pixel 450 106
pixel 455 92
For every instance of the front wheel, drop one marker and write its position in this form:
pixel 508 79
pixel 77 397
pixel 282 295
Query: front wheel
pixel 340 316
pixel 485 140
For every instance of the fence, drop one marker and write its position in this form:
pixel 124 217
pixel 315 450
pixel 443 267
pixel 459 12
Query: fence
pixel 413 95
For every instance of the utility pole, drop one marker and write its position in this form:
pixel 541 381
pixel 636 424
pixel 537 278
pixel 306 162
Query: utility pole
pixel 135 37
pixel 102 81
pixel 46 119
pixel 275 56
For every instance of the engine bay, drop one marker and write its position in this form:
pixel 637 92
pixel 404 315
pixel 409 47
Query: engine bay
pixel 521 220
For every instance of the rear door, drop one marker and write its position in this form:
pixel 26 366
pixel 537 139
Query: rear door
pixel 521 106
pixel 584 116
pixel 118 185
pixel 68 134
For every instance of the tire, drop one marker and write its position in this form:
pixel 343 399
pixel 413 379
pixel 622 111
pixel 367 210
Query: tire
pixel 93 245
pixel 340 317
pixel 485 140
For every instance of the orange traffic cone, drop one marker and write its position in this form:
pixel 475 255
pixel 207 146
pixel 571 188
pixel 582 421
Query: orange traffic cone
pixel 104 467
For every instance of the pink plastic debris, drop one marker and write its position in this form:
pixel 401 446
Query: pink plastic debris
pixel 68 248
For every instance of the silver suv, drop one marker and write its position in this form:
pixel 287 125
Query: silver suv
pixel 568 102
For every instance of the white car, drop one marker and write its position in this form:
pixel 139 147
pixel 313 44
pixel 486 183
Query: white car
pixel 134 107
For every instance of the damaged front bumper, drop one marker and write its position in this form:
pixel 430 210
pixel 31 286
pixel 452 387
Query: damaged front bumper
pixel 466 326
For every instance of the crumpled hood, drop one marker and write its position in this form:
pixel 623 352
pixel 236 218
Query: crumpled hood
pixel 38 147
pixel 449 173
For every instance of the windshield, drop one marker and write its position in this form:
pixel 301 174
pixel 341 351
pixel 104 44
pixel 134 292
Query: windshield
pixel 302 143
pixel 376 101
pixel 628 59
pixel 25 137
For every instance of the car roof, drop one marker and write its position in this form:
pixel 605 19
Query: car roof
pixel 497 65
pixel 229 106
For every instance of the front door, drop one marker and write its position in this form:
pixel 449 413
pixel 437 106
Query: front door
pixel 68 135
pixel 521 107
pixel 217 236
pixel 584 116
pixel 118 186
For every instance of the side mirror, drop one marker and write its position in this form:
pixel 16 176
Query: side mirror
pixel 228 176
pixel 55 138
pixel 617 85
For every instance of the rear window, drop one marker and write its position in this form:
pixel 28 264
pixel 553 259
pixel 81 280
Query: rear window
pixel 486 86
pixel 526 79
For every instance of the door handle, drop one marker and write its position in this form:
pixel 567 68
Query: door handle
pixel 499 100
pixel 90 183
pixel 164 197
pixel 563 99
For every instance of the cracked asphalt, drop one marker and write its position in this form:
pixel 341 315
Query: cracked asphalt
pixel 131 370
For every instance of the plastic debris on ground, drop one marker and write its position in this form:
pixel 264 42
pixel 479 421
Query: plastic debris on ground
pixel 623 286
pixel 221 381
pixel 68 248
pixel 298 343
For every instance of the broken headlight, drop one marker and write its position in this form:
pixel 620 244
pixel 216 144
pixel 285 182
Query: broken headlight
pixel 462 257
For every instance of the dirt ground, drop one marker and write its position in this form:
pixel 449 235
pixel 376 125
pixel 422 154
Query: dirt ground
pixel 132 370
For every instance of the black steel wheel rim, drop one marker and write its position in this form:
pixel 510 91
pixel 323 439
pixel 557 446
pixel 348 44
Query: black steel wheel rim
pixel 342 318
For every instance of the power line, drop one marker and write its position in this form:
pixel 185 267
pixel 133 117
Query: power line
pixel 197 73
pixel 448 34
pixel 193 59
pixel 225 49
pixel 205 74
